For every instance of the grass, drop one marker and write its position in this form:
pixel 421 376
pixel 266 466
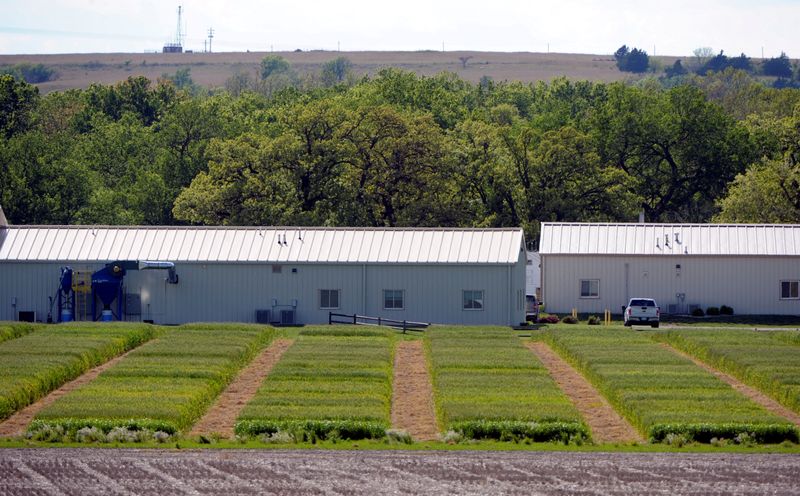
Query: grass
pixel 488 386
pixel 334 382
pixel 664 395
pixel 11 330
pixel 165 385
pixel 760 359
pixel 39 362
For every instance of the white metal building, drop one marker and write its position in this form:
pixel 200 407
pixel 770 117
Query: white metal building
pixel 454 276
pixel 592 267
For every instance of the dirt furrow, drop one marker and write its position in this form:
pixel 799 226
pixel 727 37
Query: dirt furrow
pixel 17 424
pixel 606 424
pixel 412 396
pixel 222 415
pixel 757 396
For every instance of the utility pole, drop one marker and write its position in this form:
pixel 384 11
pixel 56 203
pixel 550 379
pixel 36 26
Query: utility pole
pixel 210 37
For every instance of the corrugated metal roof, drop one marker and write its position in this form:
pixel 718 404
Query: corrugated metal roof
pixel 670 239
pixel 268 244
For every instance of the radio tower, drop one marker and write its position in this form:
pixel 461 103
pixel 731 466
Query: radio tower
pixel 177 46
pixel 179 36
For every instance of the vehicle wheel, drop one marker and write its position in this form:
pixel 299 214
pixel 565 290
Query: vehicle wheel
pixel 654 325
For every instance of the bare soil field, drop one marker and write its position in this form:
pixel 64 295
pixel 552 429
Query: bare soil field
pixel 212 69
pixel 412 400
pixel 116 471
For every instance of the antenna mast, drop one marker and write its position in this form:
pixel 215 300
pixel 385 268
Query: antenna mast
pixel 179 36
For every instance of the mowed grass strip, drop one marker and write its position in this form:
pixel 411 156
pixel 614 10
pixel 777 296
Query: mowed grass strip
pixel 662 393
pixel 487 385
pixel 759 359
pixel 11 330
pixel 165 385
pixel 332 382
pixel 34 364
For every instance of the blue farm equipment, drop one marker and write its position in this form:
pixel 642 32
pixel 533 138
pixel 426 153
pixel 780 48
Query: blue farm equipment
pixel 65 296
pixel 107 285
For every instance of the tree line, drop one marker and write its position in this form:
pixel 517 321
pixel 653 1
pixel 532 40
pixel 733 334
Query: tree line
pixel 398 149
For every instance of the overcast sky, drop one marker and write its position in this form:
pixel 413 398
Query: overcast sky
pixel 668 27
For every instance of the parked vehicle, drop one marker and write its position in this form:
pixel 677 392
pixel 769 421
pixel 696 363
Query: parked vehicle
pixel 532 308
pixel 642 311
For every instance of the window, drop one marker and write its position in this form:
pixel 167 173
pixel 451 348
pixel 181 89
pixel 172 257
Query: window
pixel 473 299
pixel 276 269
pixel 590 288
pixel 328 299
pixel 392 299
pixel 789 290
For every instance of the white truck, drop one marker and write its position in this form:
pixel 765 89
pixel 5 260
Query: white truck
pixel 642 311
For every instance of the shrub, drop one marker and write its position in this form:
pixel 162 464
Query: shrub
pixel 725 310
pixel 509 430
pixel 712 311
pixel 398 436
pixel 698 312
pixel 548 319
pixel 593 320
pixel 569 319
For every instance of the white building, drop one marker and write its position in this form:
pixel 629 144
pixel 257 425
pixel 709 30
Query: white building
pixel 453 276
pixel 755 269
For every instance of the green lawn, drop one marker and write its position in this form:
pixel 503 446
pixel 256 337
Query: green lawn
pixel 332 382
pixel 164 385
pixel 11 330
pixel 487 385
pixel 660 392
pixel 763 360
pixel 34 364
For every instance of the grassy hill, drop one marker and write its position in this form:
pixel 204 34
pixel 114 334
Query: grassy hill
pixel 212 69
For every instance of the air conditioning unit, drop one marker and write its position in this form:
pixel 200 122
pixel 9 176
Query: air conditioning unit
pixel 262 316
pixel 287 317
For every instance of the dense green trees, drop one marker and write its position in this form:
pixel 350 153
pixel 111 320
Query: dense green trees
pixel 398 149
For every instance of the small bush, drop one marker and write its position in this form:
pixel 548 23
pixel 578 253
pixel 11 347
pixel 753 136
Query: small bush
pixel 280 437
pixel 593 320
pixel 712 311
pixel 569 319
pixel 549 319
pixel 452 437
pixel 725 310
pixel 698 312
pixel 398 436
pixel 90 435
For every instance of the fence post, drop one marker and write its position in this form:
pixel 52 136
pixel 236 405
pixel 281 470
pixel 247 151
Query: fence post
pixel 355 316
pixel 379 321
pixel 404 326
pixel 330 318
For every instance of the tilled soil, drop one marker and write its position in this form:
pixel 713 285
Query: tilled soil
pixel 222 415
pixel 757 396
pixel 88 471
pixel 606 424
pixel 412 396
pixel 17 424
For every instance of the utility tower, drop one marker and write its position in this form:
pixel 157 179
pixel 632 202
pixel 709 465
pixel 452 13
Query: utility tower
pixel 177 45
pixel 210 37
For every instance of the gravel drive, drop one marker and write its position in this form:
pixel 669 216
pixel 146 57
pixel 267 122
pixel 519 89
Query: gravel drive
pixel 92 471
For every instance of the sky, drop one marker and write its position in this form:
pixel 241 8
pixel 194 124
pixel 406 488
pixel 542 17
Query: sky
pixel 666 27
